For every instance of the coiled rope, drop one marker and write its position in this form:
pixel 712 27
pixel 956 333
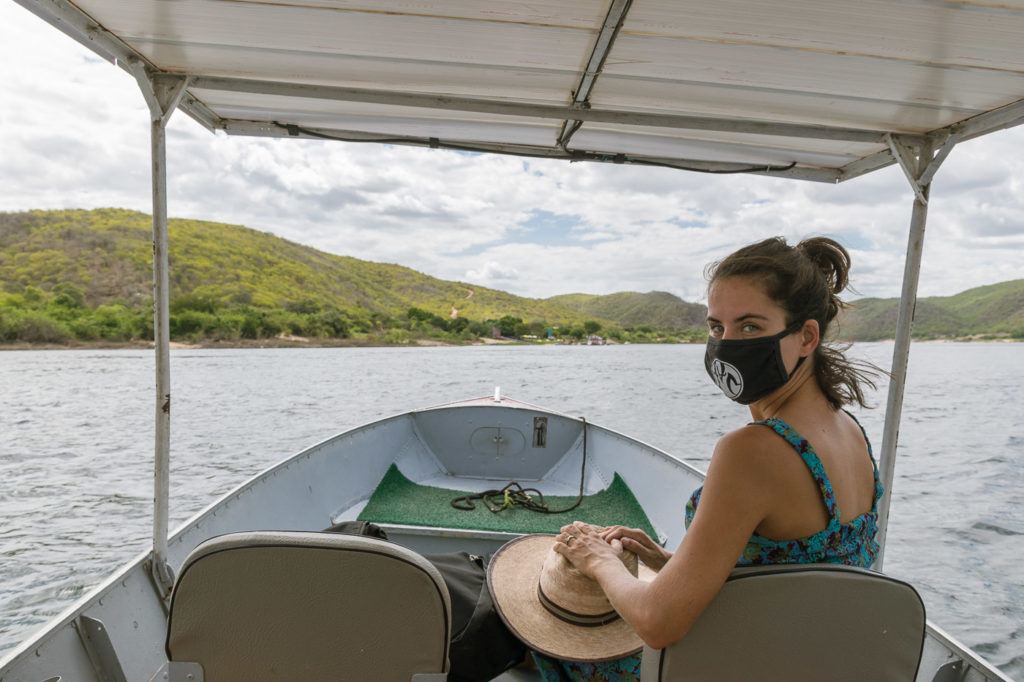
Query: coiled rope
pixel 515 495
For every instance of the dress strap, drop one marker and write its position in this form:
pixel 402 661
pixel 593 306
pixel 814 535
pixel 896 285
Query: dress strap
pixel 813 462
pixel 874 465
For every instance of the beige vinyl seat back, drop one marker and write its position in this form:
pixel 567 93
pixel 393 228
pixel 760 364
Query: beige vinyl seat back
pixel 809 622
pixel 276 605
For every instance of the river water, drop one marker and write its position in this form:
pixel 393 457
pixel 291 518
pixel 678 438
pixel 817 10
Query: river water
pixel 76 442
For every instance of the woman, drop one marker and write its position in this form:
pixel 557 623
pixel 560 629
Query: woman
pixel 797 485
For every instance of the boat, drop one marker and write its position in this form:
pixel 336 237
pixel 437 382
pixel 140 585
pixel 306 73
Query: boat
pixel 811 90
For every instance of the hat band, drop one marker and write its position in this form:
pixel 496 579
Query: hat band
pixel 581 619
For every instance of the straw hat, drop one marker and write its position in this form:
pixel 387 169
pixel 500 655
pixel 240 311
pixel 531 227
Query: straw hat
pixel 555 609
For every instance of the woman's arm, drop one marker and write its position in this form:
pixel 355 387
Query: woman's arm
pixel 640 543
pixel 735 499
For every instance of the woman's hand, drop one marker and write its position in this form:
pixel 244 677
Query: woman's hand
pixel 635 540
pixel 582 544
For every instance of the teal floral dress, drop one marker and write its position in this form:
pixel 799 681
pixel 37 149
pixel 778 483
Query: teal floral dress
pixel 850 543
pixel 622 670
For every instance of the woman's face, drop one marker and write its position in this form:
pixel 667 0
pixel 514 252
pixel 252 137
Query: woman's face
pixel 739 308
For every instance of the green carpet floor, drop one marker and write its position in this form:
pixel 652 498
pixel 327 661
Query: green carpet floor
pixel 399 500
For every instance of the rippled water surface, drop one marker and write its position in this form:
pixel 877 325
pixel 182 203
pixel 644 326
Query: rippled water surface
pixel 76 443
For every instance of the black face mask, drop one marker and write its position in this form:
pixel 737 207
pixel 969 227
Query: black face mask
pixel 748 369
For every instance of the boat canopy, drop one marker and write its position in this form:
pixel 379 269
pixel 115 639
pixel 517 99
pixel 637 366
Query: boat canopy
pixel 812 89
pixel 823 90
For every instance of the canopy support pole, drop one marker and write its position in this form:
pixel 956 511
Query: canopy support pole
pixel 162 94
pixel 919 162
pixel 602 47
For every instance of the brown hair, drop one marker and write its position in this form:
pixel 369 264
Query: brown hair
pixel 805 280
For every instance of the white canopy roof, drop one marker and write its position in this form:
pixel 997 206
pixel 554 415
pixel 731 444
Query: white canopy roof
pixel 807 88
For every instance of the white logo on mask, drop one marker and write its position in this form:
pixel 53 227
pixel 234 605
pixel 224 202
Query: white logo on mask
pixel 727 378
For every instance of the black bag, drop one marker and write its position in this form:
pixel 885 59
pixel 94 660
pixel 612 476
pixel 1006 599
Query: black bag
pixel 481 647
pixel 358 528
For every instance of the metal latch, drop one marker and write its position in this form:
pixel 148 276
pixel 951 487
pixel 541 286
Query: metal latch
pixel 540 432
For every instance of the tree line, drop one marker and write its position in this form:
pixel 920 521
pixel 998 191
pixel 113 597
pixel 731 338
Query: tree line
pixel 62 316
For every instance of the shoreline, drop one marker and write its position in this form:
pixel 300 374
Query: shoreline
pixel 301 342
pixel 242 344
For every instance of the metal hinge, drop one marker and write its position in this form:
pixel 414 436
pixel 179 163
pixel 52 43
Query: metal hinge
pixel 178 671
pixel 100 649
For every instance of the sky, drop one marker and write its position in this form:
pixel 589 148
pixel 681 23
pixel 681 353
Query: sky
pixel 74 133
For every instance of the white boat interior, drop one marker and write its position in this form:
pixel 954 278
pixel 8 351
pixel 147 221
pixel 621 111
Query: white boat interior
pixel 467 447
pixel 119 630
pixel 821 90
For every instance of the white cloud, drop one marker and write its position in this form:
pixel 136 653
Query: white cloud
pixel 492 272
pixel 74 133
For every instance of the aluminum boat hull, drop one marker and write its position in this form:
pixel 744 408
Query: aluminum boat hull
pixel 117 631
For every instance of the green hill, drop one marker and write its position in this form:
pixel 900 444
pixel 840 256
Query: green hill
pixel 656 309
pixel 78 275
pixel 106 253
pixel 86 275
pixel 992 311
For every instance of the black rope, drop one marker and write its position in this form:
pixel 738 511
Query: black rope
pixel 715 171
pixel 567 155
pixel 515 495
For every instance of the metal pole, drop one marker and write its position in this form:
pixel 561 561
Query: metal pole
pixel 163 94
pixel 162 345
pixel 904 327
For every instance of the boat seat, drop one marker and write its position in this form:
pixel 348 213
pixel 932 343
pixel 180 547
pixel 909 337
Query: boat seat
pixel 798 622
pixel 289 605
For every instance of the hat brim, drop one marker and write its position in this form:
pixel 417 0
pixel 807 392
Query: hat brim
pixel 512 576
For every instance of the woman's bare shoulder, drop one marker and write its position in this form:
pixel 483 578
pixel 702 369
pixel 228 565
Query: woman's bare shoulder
pixel 749 438
pixel 751 449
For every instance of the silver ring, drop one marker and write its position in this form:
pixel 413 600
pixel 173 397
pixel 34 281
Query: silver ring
pixel 570 539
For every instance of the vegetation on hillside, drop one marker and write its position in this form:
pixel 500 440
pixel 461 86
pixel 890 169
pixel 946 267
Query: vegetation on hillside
pixel 85 276
pixel 657 309
pixel 80 276
pixel 989 312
